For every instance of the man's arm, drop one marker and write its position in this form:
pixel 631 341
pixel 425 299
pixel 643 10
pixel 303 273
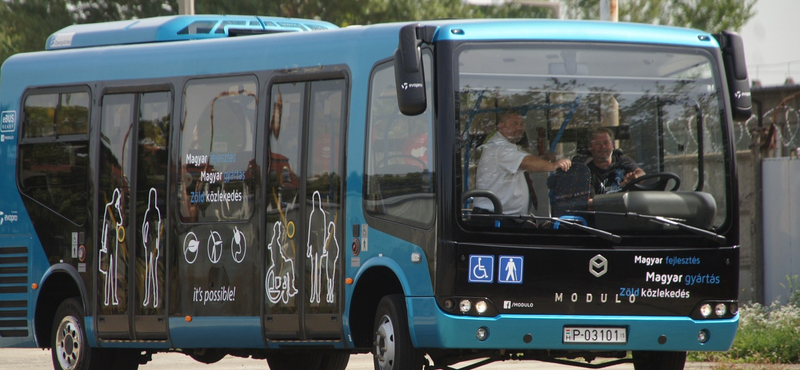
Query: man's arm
pixel 533 163
pixel 630 176
pixel 632 170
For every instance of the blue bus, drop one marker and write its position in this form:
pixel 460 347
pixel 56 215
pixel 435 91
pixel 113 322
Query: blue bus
pixel 288 190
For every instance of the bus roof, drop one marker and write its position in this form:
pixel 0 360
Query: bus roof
pixel 175 28
pixel 569 30
pixel 356 46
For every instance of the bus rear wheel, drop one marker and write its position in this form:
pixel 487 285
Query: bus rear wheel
pixel 653 360
pixel 392 349
pixel 69 345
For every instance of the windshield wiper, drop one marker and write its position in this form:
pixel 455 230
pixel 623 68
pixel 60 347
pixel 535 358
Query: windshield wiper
pixel 670 221
pixel 694 230
pixel 602 234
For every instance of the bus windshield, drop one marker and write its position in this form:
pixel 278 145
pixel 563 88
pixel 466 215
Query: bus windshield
pixel 614 111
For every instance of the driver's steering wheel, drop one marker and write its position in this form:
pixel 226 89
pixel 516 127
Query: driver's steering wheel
pixel 660 184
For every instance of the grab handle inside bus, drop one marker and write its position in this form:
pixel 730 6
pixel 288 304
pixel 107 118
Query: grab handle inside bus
pixel 498 207
pixel 408 71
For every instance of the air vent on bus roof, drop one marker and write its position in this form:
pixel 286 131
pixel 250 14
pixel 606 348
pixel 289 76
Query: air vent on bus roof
pixel 175 28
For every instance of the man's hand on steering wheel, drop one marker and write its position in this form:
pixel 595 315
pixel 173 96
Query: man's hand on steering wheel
pixel 630 176
pixel 660 183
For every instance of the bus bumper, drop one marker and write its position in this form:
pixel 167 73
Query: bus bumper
pixel 432 328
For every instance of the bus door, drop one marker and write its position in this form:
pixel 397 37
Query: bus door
pixel 130 274
pixel 305 211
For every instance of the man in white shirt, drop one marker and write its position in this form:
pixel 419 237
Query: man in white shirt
pixel 503 164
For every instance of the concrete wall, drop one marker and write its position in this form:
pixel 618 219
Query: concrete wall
pixel 766 261
pixel 781 194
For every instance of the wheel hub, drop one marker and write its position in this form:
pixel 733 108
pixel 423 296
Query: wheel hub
pixel 384 344
pixel 68 341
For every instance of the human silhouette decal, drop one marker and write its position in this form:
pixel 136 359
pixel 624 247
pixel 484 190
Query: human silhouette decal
pixel 113 233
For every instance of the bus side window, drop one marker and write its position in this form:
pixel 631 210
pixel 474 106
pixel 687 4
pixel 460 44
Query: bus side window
pixel 53 152
pixel 217 159
pixel 399 173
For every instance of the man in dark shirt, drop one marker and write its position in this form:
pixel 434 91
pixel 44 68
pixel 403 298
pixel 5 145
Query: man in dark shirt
pixel 611 170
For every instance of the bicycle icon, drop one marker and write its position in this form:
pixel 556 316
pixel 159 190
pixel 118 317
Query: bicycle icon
pixel 481 268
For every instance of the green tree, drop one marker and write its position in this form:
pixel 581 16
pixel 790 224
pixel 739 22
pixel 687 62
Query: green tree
pixel 708 15
pixel 27 24
pixel 93 11
pixel 345 13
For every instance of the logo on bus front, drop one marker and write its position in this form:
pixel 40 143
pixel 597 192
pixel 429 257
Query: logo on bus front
pixel 9 121
pixel 598 265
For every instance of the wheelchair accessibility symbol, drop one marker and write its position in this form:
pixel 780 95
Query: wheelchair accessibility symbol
pixel 481 268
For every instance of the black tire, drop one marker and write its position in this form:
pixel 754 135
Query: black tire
pixel 69 345
pixel 334 360
pixel 294 360
pixel 651 360
pixel 207 355
pixel 392 349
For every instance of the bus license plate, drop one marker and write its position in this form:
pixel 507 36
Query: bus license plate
pixel 601 335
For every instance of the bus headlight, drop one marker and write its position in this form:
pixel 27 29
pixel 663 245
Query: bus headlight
pixel 705 310
pixel 469 306
pixel 715 310
pixel 481 307
pixel 720 309
pixel 464 306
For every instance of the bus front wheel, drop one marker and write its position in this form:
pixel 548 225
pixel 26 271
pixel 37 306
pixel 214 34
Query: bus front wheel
pixel 652 360
pixel 392 349
pixel 70 348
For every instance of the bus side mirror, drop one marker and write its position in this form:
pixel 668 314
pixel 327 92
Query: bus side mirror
pixel 736 73
pixel 408 72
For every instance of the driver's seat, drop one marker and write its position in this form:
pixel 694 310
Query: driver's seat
pixel 570 191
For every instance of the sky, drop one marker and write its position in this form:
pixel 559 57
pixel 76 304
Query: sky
pixel 771 48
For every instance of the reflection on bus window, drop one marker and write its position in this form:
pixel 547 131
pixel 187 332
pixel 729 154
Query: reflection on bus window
pixel 217 158
pixel 53 155
pixel 661 106
pixel 400 166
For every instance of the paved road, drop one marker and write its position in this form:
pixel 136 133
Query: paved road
pixel 18 359
pixel 38 359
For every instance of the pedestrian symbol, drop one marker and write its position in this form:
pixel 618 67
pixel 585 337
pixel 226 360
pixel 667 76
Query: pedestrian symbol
pixel 510 270
pixel 481 268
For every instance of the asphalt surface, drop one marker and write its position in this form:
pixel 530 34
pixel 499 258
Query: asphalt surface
pixel 15 359
pixel 11 358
